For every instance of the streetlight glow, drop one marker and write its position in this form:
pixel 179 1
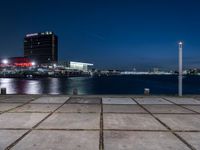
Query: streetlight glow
pixel 5 61
pixel 33 63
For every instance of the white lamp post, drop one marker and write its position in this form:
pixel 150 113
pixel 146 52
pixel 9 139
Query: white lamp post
pixel 180 76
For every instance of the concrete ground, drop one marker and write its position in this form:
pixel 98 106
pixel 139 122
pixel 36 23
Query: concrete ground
pixel 42 122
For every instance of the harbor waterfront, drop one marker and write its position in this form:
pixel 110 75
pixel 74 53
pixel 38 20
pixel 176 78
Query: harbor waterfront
pixel 30 122
pixel 122 84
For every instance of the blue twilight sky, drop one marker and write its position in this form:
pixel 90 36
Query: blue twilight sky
pixel 120 34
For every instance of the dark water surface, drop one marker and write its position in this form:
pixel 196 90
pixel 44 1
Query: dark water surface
pixel 158 84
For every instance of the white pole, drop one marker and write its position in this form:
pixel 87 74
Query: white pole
pixel 180 77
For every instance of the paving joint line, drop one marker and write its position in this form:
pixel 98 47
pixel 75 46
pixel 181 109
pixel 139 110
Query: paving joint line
pixel 166 126
pixel 103 112
pixel 47 103
pixel 55 112
pixel 191 104
pixel 101 136
pixel 83 103
pixel 23 104
pixel 77 112
pixel 35 126
pixel 14 128
pixel 37 112
pixel 4 98
pixel 56 129
pixel 152 113
pixel 196 98
pixel 180 105
pixel 134 130
pixel 142 130
pixel 184 141
pixel 72 98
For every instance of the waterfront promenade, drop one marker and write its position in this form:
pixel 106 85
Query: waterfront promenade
pixel 44 122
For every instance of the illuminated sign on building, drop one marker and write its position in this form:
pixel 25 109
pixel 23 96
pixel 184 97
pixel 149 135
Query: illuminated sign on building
pixel 36 34
pixel 32 34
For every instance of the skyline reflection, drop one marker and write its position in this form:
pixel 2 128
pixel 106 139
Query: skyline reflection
pixel 100 85
pixel 54 86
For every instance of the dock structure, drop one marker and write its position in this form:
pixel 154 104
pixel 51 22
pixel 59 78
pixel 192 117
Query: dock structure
pixel 42 122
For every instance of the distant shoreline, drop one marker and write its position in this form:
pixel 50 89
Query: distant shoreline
pixel 61 76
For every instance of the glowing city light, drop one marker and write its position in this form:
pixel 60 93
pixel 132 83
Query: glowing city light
pixel 33 63
pixel 5 61
pixel 32 34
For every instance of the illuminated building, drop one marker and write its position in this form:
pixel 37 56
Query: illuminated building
pixel 41 47
pixel 79 66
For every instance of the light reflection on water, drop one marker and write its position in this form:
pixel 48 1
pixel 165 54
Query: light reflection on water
pixel 32 87
pixel 54 86
pixel 45 85
pixel 80 83
pixel 101 85
pixel 9 84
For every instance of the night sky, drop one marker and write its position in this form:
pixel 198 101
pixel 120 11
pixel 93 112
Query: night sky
pixel 116 34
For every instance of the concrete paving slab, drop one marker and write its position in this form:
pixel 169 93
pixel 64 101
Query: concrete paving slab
pixel 193 107
pixel 7 106
pixel 72 121
pixel 59 140
pixel 152 100
pixel 84 100
pixel 7 137
pixel 20 120
pixel 123 109
pixel 78 108
pixel 181 122
pixel 193 138
pixel 18 99
pixel 3 96
pixel 51 99
pixel 36 108
pixel 178 100
pixel 166 109
pixel 131 122
pixel 123 140
pixel 24 96
pixel 123 100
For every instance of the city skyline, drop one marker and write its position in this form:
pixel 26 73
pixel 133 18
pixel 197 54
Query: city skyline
pixel 110 34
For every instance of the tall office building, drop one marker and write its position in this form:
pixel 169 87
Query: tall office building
pixel 41 47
